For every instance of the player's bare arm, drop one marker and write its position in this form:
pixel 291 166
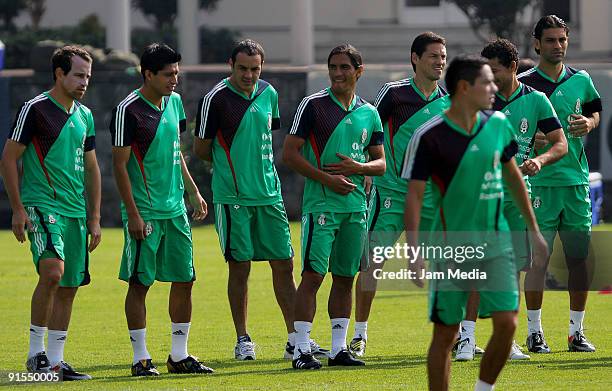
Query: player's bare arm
pixel 203 148
pixel 347 166
pixel 200 208
pixel 136 225
pixel 11 154
pixel 93 188
pixel 558 149
pixel 412 218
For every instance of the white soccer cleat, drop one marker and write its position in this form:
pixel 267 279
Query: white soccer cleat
pixel 465 350
pixel 244 350
pixel 516 353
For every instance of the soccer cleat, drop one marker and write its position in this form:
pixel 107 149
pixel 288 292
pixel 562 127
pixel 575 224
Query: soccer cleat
pixel 144 368
pixel 38 363
pixel 190 364
pixel 244 350
pixel 358 347
pixel 315 350
pixel 516 353
pixel 67 373
pixel 579 343
pixel 306 361
pixel 344 358
pixel 536 343
pixel 465 350
pixel 477 349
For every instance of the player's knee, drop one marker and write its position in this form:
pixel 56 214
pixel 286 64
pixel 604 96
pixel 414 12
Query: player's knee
pixel 51 277
pixel 506 324
pixel 182 286
pixel 282 267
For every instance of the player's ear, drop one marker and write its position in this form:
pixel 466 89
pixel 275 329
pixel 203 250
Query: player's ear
pixel 231 63
pixel 513 66
pixel 359 71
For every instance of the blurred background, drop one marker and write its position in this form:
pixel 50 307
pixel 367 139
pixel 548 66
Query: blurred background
pixel 297 36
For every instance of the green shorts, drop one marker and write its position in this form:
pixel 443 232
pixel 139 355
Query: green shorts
pixel 448 296
pixel 166 254
pixel 567 210
pixel 333 242
pixel 56 236
pixel 520 236
pixel 255 233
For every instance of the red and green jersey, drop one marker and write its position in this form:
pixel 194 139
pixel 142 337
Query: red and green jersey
pixel 572 93
pixel 328 129
pixel 241 129
pixel 53 161
pixel 154 166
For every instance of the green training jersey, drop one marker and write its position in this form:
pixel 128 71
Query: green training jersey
pixel 328 128
pixel 154 167
pixel 241 129
pixel 466 172
pixel 528 110
pixel 53 161
pixel 572 93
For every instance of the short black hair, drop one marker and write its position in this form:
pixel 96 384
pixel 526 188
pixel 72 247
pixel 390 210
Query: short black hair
pixel 463 67
pixel 525 64
pixel 548 22
pixel 62 58
pixel 420 43
pixel 503 50
pixel 156 56
pixel 248 47
pixel 350 51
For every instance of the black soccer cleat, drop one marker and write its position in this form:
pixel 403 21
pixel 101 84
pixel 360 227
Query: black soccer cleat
pixel 144 368
pixel 67 373
pixel 344 358
pixel 536 343
pixel 190 364
pixel 579 343
pixel 39 363
pixel 306 361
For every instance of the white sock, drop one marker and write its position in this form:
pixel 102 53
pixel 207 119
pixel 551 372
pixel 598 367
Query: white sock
pixel 139 345
pixel 468 330
pixel 56 339
pixel 180 334
pixel 339 328
pixel 482 386
pixel 302 338
pixel 291 338
pixel 361 330
pixel 37 340
pixel 575 324
pixel 534 321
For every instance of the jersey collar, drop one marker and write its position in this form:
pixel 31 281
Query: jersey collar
pixel 544 75
pixel 242 94
pixel 513 96
pixel 69 112
pixel 333 97
pixel 459 129
pixel 163 102
pixel 431 97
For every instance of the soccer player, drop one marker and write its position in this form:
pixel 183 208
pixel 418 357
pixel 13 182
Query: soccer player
pixel 54 136
pixel 527 110
pixel 466 152
pixel 234 131
pixel 560 192
pixel 403 106
pixel 152 177
pixel 328 141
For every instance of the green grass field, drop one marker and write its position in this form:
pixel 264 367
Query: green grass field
pixel 399 333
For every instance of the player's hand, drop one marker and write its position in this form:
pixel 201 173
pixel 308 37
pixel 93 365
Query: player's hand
pixel 346 166
pixel 200 208
pixel 94 232
pixel 417 267
pixel 540 140
pixel 531 167
pixel 19 223
pixel 340 184
pixel 580 125
pixel 540 251
pixel 367 184
pixel 136 227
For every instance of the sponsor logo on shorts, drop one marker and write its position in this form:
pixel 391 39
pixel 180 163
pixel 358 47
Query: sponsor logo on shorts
pixel 387 203
pixel 236 206
pixel 52 219
pixel 148 229
pixel 537 202
pixel 321 219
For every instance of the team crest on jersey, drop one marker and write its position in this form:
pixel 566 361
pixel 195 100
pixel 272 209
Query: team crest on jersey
pixel 52 219
pixel 148 229
pixel 496 159
pixel 321 219
pixel 524 126
pixel 364 135
pixel 537 202
pixel 578 108
pixel 269 121
pixel 387 203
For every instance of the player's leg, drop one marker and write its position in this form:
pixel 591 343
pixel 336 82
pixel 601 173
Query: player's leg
pixel 498 349
pixel 466 344
pixel 439 357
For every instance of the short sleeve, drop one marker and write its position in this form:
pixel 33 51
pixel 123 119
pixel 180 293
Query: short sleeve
pixel 303 121
pixel 510 146
pixel 276 122
pixel 378 136
pixel 384 103
pixel 24 127
pixel 592 102
pixel 207 121
pixel 122 127
pixel 90 138
pixel 418 160
pixel 547 117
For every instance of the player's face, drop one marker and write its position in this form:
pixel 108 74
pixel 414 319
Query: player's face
pixel 75 82
pixel 502 75
pixel 482 92
pixel 165 80
pixel 552 45
pixel 245 72
pixel 432 61
pixel 342 74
